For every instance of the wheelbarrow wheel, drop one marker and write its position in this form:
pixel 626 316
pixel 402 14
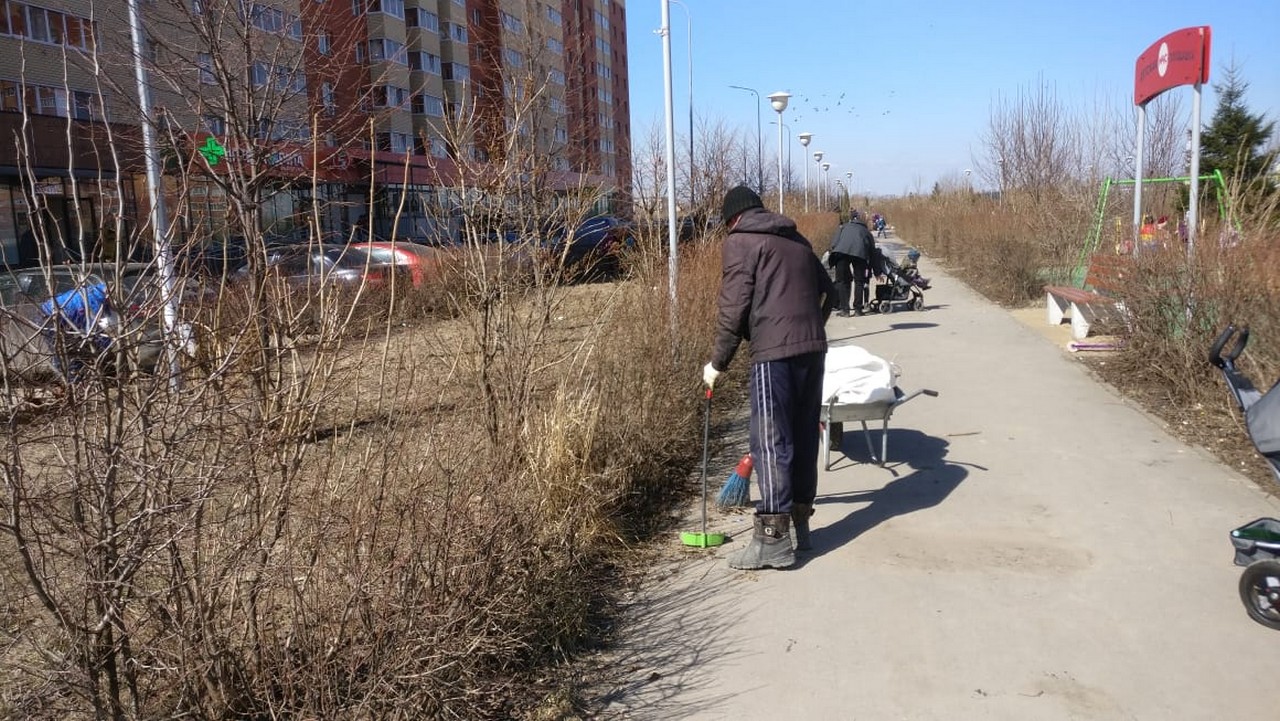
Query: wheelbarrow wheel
pixel 1260 592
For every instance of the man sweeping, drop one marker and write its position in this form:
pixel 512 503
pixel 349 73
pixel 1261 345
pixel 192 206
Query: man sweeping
pixel 775 294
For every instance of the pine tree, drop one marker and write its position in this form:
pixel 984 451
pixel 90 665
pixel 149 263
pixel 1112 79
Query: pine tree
pixel 1233 141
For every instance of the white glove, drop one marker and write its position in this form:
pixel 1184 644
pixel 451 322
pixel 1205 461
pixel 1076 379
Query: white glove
pixel 709 375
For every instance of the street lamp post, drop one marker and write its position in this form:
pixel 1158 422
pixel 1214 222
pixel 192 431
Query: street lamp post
pixel 848 190
pixel 779 102
pixel 804 143
pixel 155 198
pixel 826 186
pixel 693 195
pixel 817 158
pixel 759 146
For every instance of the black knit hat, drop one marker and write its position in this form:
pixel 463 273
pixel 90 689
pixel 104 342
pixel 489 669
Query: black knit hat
pixel 738 200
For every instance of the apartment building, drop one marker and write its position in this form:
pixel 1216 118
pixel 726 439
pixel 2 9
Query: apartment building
pixel 439 85
pixel 354 110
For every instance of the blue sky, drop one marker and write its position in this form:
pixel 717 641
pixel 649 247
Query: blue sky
pixel 920 75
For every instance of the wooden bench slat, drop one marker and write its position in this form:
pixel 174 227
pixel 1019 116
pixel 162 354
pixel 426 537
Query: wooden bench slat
pixel 1105 280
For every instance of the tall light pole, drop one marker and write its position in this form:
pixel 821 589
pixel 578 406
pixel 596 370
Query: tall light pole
pixel 671 157
pixel 779 102
pixel 826 187
pixel 759 151
pixel 817 158
pixel 693 197
pixel 804 143
pixel 155 197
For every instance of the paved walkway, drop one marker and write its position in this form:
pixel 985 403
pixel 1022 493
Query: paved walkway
pixel 1036 548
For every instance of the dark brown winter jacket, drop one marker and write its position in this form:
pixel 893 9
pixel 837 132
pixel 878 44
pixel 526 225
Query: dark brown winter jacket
pixel 774 292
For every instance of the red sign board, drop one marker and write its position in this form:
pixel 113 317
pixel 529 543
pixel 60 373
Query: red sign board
pixel 1179 58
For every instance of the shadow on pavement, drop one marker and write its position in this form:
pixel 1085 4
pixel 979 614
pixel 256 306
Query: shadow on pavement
pixel 892 327
pixel 671 636
pixel 929 483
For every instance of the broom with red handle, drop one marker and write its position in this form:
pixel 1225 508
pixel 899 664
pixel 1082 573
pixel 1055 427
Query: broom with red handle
pixel 736 492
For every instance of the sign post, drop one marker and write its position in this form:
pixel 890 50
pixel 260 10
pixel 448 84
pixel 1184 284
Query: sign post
pixel 1179 58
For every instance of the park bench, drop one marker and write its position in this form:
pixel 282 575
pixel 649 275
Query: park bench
pixel 1105 281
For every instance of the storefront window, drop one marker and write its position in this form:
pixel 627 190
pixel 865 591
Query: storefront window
pixel 8 232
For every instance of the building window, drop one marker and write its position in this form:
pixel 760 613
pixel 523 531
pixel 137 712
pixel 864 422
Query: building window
pixel 553 16
pixel 604 71
pixel 419 18
pixel 455 32
pixel 439 148
pixel 555 46
pixel 457 72
pixel 214 124
pixel 389 96
pixel 323 44
pixel 389 50
pixel 204 61
pixel 557 105
pixel 606 97
pixel 602 22
pixel 513 58
pixel 394 8
pixel 603 46
pixel 512 23
pixel 556 76
pixel 425 61
pixel 395 142
pixel 328 99
pixel 428 105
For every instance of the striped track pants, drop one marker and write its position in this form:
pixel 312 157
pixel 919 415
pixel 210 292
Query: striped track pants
pixel 786 403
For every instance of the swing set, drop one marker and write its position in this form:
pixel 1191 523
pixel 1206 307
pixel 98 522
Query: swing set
pixel 1102 211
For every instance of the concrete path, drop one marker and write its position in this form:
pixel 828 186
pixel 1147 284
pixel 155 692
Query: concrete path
pixel 1036 548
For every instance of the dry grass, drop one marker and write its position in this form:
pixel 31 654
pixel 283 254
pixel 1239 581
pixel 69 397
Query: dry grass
pixel 405 517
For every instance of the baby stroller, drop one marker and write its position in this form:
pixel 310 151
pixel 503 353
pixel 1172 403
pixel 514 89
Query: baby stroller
pixel 1257 544
pixel 902 283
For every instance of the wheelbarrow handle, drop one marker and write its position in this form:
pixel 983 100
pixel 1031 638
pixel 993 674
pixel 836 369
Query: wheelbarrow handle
pixel 1216 356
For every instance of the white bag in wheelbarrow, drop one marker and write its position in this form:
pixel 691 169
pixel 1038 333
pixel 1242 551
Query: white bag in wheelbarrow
pixel 854 376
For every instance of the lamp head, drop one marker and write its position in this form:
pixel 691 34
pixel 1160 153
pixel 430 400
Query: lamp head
pixel 849 175
pixel 779 100
pixel 826 166
pixel 805 138
pixel 817 156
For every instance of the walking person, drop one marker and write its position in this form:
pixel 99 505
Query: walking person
pixel 851 255
pixel 775 294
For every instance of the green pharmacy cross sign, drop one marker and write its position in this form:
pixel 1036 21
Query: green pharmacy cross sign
pixel 212 150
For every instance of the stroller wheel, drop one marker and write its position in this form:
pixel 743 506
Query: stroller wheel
pixel 1260 592
pixel 874 306
pixel 918 303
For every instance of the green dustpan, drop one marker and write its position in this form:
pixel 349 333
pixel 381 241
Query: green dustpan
pixel 704 539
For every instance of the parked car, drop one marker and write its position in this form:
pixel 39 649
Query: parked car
pixel 315 265
pixel 418 263
pixel 134 286
pixel 590 250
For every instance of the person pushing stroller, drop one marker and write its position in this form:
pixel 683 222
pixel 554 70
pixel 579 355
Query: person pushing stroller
pixel 852 252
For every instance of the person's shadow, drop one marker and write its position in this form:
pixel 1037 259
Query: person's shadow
pixel 929 483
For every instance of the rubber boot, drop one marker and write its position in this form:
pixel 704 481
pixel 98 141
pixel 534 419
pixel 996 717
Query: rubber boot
pixel 770 545
pixel 800 513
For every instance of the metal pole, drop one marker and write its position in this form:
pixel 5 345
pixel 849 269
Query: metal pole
pixel 759 151
pixel 780 210
pixel 671 156
pixel 1193 210
pixel 1137 176
pixel 806 185
pixel 155 197
pixel 693 196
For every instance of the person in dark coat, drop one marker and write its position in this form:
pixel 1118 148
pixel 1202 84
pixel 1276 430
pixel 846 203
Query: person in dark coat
pixel 775 294
pixel 851 254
